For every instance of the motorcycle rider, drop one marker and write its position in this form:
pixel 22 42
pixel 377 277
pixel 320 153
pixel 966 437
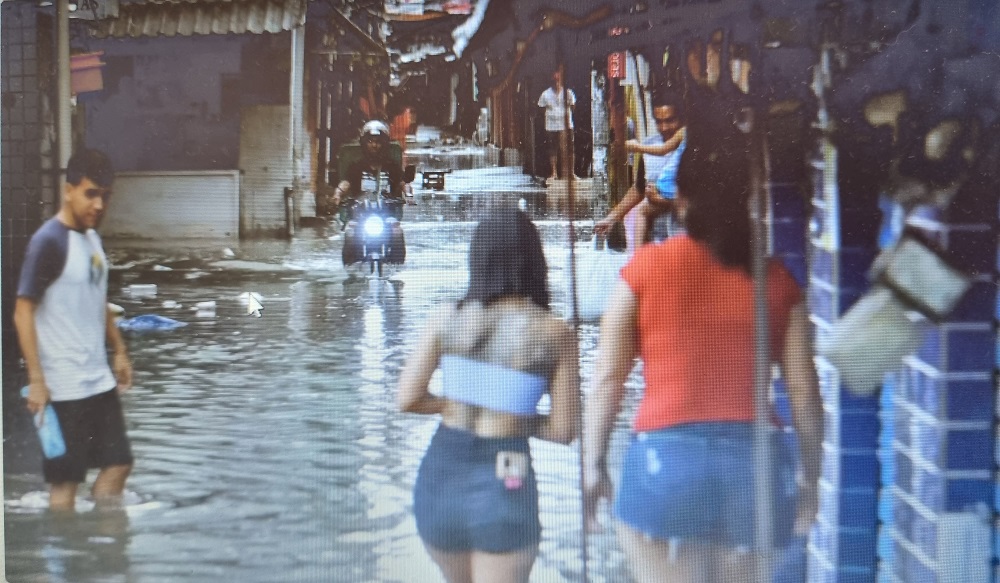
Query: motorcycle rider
pixel 375 162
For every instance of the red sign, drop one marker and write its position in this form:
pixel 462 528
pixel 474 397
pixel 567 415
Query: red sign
pixel 616 66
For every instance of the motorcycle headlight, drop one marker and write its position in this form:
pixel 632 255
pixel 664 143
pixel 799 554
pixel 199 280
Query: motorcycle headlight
pixel 374 226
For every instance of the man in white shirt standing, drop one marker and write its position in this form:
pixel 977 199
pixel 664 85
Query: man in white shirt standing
pixel 559 124
pixel 65 328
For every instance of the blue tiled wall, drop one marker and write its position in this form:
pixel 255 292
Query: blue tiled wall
pixel 899 466
pixel 943 417
pixel 843 545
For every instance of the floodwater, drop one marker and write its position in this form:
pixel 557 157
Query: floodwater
pixel 269 449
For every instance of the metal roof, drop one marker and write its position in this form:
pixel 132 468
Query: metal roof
pixel 137 18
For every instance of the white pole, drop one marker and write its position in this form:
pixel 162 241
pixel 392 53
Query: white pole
pixel 296 99
pixel 64 112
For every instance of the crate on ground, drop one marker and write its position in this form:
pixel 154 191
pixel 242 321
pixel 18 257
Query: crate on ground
pixel 433 177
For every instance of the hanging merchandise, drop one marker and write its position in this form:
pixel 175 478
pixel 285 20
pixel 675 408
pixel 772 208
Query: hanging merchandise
pixel 922 278
pixel 913 288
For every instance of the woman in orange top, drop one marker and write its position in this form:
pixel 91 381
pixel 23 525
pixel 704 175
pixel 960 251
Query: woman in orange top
pixel 685 504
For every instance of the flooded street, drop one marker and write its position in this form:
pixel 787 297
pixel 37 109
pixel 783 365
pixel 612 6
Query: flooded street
pixel 270 449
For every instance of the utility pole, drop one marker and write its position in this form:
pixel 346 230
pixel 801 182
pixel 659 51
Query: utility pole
pixel 63 106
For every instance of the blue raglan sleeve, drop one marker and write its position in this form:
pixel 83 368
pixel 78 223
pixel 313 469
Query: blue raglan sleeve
pixel 43 262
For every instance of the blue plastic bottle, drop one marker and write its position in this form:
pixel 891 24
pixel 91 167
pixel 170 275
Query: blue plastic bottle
pixel 49 432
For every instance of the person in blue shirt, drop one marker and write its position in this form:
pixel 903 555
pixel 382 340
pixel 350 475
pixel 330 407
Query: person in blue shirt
pixel 64 328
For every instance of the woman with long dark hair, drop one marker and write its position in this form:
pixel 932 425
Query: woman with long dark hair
pixel 685 501
pixel 500 350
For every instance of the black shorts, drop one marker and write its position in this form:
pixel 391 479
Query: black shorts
pixel 552 138
pixel 94 431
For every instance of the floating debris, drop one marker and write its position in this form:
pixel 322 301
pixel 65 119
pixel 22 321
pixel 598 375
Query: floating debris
pixel 142 290
pixel 149 323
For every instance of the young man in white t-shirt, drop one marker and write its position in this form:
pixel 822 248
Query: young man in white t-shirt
pixel 65 327
pixel 559 124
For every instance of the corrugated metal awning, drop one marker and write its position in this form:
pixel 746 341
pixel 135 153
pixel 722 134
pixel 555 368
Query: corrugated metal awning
pixel 139 18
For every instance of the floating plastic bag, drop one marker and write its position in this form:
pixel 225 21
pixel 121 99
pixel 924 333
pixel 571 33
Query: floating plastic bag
pixel 597 277
pixel 204 309
pixel 149 323
pixel 142 290
pixel 923 279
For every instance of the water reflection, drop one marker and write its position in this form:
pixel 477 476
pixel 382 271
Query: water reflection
pixel 447 157
pixel 71 547
pixel 466 207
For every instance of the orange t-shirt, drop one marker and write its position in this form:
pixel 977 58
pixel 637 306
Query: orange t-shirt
pixel 400 125
pixel 696 331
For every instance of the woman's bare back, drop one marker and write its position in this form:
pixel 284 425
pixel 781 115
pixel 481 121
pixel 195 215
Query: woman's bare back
pixel 512 333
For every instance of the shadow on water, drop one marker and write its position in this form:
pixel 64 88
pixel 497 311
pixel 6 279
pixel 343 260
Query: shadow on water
pixel 270 449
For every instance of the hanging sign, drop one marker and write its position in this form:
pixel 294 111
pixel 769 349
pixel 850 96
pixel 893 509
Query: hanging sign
pixel 85 72
pixel 616 65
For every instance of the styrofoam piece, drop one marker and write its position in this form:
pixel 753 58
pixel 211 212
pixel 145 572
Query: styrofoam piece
pixel 142 290
pixel 244 297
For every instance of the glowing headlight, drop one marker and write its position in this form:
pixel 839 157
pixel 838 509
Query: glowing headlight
pixel 374 226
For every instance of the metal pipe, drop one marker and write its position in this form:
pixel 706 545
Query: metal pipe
pixel 569 171
pixel 763 450
pixel 531 144
pixel 63 106
pixel 296 101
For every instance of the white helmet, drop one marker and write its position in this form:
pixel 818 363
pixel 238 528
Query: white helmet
pixel 375 129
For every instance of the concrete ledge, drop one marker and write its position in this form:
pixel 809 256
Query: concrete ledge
pixel 510 157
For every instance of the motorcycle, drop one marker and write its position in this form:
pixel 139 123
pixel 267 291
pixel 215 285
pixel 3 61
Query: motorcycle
pixel 373 235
